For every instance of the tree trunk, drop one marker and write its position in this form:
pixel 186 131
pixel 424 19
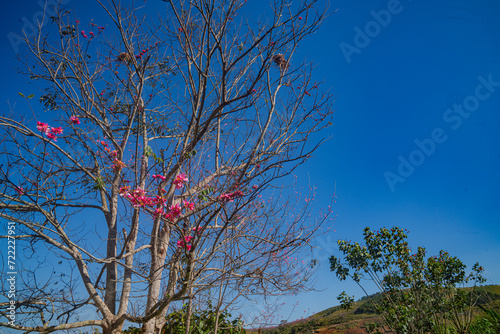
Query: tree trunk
pixel 110 296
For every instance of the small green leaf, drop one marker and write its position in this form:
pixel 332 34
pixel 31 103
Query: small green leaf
pixel 21 94
pixel 31 96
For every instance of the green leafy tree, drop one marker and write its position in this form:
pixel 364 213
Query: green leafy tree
pixel 201 322
pixel 420 294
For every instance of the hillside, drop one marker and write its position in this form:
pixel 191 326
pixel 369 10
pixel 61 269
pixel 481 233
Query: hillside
pixel 335 320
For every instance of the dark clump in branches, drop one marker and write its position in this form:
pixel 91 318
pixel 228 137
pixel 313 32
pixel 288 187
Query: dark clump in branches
pixel 124 57
pixel 280 61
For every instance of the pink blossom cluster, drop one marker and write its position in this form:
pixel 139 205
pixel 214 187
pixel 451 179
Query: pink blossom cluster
pixel 118 165
pixel 141 53
pixel 124 190
pixel 91 33
pixel 174 212
pixel 113 154
pixel 139 199
pixel 144 51
pixel 19 190
pixel 189 205
pixel 75 120
pixel 180 180
pixel 229 197
pixel 185 243
pixel 49 132
pixel 198 230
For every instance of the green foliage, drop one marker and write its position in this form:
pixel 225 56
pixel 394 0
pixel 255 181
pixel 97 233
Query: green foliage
pixel 202 322
pixel 99 184
pixel 483 326
pixel 419 294
pixel 367 308
pixel 490 323
pixel 345 301
pixel 27 97
pixel 204 194
pixel 148 152
pixel 374 328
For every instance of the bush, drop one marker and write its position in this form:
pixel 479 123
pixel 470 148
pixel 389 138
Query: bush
pixel 419 294
pixel 202 322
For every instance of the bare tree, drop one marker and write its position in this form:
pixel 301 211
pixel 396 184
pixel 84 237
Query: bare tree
pixel 160 172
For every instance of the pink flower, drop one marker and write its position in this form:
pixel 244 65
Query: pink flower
pixel 20 190
pixel 175 211
pixel 118 165
pixel 198 229
pixel 42 127
pixel 189 205
pixel 188 238
pixel 255 186
pixel 74 120
pixel 92 34
pixel 160 200
pixel 124 190
pixel 183 244
pixel 57 131
pixel 229 197
pixel 83 33
pixel 161 177
pixel 139 192
pixel 179 180
pixel 51 136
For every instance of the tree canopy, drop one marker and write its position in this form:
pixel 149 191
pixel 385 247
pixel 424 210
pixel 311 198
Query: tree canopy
pixel 158 172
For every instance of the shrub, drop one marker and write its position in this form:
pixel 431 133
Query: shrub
pixel 202 322
pixel 419 294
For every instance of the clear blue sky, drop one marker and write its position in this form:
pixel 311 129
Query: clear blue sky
pixel 416 137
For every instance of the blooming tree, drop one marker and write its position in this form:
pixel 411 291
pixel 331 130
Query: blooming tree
pixel 157 173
